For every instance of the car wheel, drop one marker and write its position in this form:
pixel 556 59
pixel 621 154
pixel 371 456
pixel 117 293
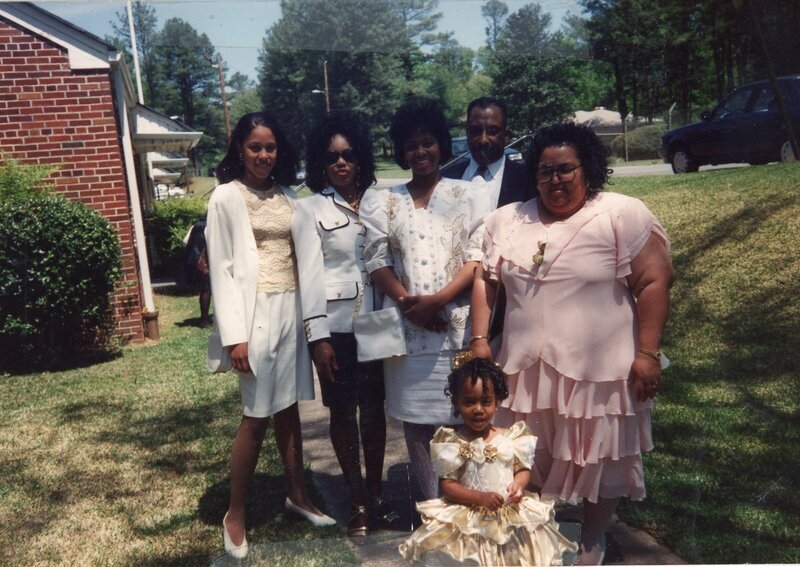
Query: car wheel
pixel 683 162
pixel 787 153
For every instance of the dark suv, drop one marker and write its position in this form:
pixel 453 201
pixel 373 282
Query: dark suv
pixel 746 126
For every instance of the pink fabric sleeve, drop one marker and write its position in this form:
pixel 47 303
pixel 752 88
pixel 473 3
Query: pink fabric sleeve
pixel 633 224
pixel 492 253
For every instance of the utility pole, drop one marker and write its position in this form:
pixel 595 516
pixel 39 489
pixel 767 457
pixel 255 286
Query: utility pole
pixel 218 65
pixel 327 92
pixel 135 53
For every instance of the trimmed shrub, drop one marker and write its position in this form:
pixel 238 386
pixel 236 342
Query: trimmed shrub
pixel 166 226
pixel 59 262
pixel 19 180
pixel 643 143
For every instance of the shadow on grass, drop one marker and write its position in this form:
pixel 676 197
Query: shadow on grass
pixel 723 484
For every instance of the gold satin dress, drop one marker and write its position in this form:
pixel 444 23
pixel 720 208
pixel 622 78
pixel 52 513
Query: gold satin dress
pixel 525 533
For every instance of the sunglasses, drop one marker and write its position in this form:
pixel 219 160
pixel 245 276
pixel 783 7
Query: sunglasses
pixel 331 157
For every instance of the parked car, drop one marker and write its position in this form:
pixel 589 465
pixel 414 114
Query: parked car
pixel 460 146
pixel 746 126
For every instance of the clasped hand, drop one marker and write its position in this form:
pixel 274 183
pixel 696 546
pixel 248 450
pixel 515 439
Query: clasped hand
pixel 423 310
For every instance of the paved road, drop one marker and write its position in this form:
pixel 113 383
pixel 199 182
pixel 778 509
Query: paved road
pixel 620 171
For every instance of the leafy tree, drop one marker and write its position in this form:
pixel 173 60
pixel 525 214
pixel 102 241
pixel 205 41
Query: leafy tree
pixel 145 25
pixel 419 19
pixel 193 89
pixel 362 42
pixel 494 12
pixel 528 73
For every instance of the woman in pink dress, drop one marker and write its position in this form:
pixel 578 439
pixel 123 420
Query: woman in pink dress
pixel 587 277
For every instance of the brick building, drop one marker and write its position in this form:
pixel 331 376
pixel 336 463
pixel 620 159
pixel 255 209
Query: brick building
pixel 66 99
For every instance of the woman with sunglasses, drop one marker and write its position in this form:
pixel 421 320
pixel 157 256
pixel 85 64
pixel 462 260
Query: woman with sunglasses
pixel 587 277
pixel 334 285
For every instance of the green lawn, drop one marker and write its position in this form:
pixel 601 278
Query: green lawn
pixel 126 462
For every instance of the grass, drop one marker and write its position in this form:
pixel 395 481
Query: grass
pixel 126 462
pixel 723 480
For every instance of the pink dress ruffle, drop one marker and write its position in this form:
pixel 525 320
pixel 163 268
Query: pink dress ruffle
pixel 591 434
pixel 570 336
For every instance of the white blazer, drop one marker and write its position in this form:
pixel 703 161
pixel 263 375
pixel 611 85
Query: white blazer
pixel 233 265
pixel 329 244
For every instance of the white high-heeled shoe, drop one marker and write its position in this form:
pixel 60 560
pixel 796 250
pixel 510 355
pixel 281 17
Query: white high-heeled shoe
pixel 315 519
pixel 235 551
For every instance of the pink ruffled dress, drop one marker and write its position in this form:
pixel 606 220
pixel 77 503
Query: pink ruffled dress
pixel 570 337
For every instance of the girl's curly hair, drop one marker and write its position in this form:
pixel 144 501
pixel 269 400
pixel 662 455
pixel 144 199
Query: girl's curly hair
pixel 482 368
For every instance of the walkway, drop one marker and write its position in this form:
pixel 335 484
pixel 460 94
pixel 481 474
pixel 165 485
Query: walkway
pixel 627 546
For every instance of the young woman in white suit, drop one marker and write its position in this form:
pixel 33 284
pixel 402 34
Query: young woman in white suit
pixel 257 310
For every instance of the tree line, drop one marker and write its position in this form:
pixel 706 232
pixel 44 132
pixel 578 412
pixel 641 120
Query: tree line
pixel 637 57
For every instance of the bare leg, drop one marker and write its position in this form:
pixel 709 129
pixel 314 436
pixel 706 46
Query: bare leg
pixel 596 518
pixel 244 456
pixel 344 438
pixel 289 438
pixel 372 423
pixel 418 443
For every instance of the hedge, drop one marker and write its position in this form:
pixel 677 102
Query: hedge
pixel 59 263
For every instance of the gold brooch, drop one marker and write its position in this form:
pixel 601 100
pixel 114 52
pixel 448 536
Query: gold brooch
pixel 490 453
pixel 539 258
pixel 465 451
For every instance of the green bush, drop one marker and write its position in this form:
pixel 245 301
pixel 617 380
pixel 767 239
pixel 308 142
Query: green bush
pixel 643 143
pixel 59 262
pixel 19 180
pixel 166 226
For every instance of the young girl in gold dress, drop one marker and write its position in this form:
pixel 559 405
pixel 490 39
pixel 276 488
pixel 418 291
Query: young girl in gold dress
pixel 485 515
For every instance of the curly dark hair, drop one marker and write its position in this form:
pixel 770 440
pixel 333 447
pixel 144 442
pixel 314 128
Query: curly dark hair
pixel 231 166
pixel 420 114
pixel 476 368
pixel 592 154
pixel 349 125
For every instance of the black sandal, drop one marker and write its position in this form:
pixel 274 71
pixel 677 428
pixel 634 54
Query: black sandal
pixel 386 516
pixel 358 526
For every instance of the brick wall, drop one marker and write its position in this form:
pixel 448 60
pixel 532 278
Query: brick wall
pixel 52 115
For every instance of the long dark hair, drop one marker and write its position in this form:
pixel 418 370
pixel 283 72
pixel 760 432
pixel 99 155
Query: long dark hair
pixel 231 166
pixel 350 126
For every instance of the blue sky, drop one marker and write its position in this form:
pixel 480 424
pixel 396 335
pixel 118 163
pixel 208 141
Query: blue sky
pixel 236 28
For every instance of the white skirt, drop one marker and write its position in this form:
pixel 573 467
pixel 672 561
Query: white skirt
pixel 415 388
pixel 279 357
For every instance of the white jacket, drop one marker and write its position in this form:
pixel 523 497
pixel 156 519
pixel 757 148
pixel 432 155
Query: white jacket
pixel 233 266
pixel 329 244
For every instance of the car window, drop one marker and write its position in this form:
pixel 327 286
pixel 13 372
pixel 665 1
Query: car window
pixel 734 103
pixel 764 98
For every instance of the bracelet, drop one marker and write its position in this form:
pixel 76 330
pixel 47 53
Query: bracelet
pixel 654 354
pixel 474 338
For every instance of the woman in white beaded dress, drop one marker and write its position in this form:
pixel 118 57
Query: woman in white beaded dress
pixel 421 252
pixel 257 310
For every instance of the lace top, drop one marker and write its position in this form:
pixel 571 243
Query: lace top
pixel 271 219
pixel 480 465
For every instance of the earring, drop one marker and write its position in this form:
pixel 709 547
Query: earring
pixel 241 156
